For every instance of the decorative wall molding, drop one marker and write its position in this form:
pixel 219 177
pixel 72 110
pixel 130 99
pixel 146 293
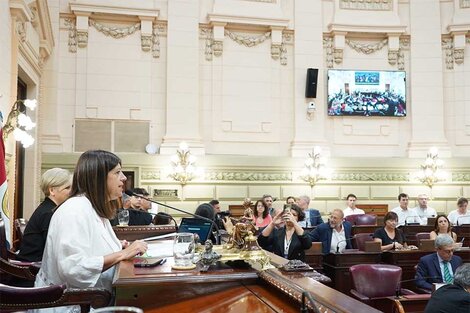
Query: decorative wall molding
pixel 82 38
pixel 115 32
pixel 448 46
pixel 404 45
pixel 150 175
pixel 374 5
pixel 464 4
pixel 461 177
pixel 266 1
pixel 328 46
pixel 207 35
pixel 363 176
pixel 21 30
pixel 72 41
pixel 246 40
pixel 366 48
pixel 248 176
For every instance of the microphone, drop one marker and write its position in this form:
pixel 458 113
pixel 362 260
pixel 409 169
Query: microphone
pixel 398 288
pixel 130 193
pixel 166 215
pixel 304 308
pixel 337 245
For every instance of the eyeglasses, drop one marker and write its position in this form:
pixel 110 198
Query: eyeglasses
pixel 448 251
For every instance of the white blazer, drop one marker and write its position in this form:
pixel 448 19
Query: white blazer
pixel 77 241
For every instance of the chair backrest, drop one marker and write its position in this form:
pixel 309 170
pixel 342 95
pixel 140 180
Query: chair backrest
pixel 420 236
pixel 366 219
pixel 359 240
pixel 376 280
pixel 23 298
pixel 352 218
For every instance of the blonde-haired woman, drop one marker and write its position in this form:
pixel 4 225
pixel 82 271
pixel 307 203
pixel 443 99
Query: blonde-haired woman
pixel 55 184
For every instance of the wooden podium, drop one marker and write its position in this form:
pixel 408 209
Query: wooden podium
pixel 225 288
pixel 132 233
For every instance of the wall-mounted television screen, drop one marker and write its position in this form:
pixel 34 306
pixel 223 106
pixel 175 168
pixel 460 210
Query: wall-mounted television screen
pixel 366 93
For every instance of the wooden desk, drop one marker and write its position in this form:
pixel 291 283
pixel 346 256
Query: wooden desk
pixel 408 259
pixel 463 231
pixel 222 289
pixel 409 304
pixel 410 232
pixel 132 233
pixel 336 266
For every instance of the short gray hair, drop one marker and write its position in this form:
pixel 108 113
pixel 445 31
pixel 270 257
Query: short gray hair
pixel 305 198
pixel 55 177
pixel 443 240
pixel 462 276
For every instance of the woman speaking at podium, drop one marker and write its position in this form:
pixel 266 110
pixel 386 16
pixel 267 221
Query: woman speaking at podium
pixel 81 247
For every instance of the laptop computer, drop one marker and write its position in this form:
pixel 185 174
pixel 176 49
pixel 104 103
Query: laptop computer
pixel 196 226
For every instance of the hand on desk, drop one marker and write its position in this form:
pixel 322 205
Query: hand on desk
pixel 138 247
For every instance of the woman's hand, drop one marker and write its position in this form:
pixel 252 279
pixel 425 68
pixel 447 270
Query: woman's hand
pixel 278 219
pixel 289 218
pixel 138 247
pixel 124 244
pixel 398 246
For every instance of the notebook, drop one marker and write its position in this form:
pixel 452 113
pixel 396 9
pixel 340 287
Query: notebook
pixel 196 226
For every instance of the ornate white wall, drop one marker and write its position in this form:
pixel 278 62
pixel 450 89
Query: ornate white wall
pixel 228 77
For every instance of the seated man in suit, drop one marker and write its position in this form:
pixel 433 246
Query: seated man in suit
pixel 454 298
pixel 312 216
pixel 438 267
pixel 335 235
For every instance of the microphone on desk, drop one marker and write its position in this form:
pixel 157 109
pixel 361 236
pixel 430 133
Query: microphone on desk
pixel 337 245
pixel 304 308
pixel 398 288
pixel 217 237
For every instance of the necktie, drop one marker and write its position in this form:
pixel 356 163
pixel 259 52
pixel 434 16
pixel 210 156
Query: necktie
pixel 447 276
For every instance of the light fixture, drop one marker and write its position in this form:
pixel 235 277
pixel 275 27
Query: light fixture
pixel 19 123
pixel 183 167
pixel 315 168
pixel 431 170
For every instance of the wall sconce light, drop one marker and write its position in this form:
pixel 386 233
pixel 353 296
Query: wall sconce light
pixel 315 167
pixel 183 167
pixel 431 170
pixel 19 123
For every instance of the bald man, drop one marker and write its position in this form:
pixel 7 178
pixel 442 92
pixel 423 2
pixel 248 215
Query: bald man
pixel 335 235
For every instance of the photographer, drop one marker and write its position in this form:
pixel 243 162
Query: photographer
pixel 289 241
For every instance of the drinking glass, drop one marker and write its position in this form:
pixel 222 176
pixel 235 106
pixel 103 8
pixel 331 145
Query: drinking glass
pixel 183 250
pixel 123 217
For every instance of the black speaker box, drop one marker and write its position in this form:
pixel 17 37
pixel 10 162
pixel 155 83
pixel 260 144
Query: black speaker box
pixel 311 83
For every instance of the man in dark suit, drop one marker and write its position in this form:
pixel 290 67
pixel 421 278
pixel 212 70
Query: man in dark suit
pixel 334 235
pixel 312 216
pixel 438 267
pixel 453 298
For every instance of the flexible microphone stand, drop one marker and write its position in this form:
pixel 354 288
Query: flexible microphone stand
pixel 304 308
pixel 217 237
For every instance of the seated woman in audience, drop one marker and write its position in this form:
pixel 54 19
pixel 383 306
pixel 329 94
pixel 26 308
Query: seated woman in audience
pixel 389 236
pixel 289 241
pixel 81 247
pixel 261 214
pixel 55 184
pixel 206 210
pixel 442 226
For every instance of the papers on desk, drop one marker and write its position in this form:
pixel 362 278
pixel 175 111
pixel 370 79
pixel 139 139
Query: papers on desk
pixel 160 249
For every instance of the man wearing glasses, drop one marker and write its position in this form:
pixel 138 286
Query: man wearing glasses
pixel 438 267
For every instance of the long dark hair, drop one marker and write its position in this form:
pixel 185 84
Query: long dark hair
pixel 265 212
pixel 436 224
pixel 90 179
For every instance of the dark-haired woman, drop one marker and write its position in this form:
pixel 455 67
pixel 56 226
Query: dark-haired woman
pixel 261 216
pixel 389 236
pixel 81 247
pixel 442 226
pixel 289 241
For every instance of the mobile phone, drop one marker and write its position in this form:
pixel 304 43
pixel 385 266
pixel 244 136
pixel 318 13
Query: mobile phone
pixel 148 263
pixel 287 208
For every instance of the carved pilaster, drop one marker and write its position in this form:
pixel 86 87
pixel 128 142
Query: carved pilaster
pixel 21 30
pixel 217 47
pixel 392 57
pixel 464 4
pixel 146 42
pixel 72 42
pixel 448 46
pixel 328 45
pixel 206 33
pixel 459 55
pixel 218 35
pixel 275 51
pixel 404 45
pixel 82 38
pixel 338 55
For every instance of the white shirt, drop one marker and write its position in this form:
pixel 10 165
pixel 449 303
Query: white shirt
pixel 408 216
pixel 349 211
pixel 424 214
pixel 338 237
pixel 455 216
pixel 77 241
